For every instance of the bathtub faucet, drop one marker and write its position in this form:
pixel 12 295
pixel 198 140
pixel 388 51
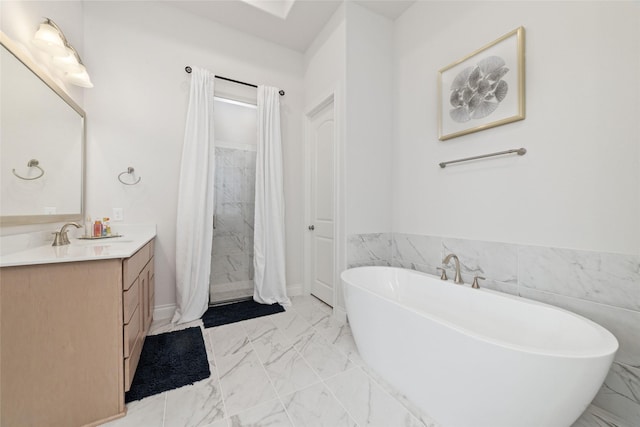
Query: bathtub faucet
pixel 445 261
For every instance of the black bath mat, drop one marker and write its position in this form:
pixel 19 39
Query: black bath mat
pixel 168 361
pixel 236 312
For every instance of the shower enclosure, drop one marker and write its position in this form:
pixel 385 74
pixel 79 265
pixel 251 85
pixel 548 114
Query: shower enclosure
pixel 234 200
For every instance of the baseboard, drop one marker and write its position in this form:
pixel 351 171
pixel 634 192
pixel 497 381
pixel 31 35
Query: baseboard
pixel 162 312
pixel 340 314
pixel 295 290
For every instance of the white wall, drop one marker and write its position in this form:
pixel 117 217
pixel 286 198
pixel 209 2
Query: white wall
pixel 579 184
pixel 324 61
pixel 369 41
pixel 136 114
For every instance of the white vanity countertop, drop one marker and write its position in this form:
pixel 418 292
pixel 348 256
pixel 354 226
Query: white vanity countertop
pixel 133 238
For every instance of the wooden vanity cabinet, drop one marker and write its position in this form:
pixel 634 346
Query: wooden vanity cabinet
pixel 70 338
pixel 138 290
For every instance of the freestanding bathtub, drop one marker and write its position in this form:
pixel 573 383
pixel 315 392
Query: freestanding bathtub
pixel 475 357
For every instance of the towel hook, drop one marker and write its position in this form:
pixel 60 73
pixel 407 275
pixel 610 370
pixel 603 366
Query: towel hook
pixel 129 171
pixel 33 163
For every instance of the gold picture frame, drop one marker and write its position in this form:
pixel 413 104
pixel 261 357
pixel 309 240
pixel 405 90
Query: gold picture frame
pixel 484 89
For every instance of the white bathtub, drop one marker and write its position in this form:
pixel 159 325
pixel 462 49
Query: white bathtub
pixel 474 357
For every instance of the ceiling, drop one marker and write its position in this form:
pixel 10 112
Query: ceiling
pixel 294 24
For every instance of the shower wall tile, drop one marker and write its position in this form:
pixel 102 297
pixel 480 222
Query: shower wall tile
pixel 223 157
pixel 600 277
pixel 369 249
pixel 249 185
pixel 229 225
pixel 221 278
pixel 425 250
pixel 248 244
pixel 496 261
pixel 248 215
pixel 250 160
pixel 227 244
pixel 231 268
pixel 237 158
pixel 232 255
pixel 231 178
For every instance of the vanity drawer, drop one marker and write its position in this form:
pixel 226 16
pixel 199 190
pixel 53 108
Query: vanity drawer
pixel 131 299
pixel 131 267
pixel 132 331
pixel 131 363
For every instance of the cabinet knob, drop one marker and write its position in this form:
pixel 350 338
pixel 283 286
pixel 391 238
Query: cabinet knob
pixel 311 227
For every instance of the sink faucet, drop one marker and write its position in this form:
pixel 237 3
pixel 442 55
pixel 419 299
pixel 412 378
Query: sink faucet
pixel 458 278
pixel 61 237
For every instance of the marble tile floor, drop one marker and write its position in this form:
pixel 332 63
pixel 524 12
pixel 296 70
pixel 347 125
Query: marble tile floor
pixel 297 368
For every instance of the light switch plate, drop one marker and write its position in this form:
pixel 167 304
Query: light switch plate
pixel 118 214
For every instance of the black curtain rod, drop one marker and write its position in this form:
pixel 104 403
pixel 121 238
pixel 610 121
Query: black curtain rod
pixel 188 70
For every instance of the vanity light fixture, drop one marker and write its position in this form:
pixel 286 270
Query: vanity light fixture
pixel 51 39
pixel 69 63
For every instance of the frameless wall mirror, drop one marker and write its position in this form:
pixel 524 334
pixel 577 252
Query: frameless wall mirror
pixel 42 144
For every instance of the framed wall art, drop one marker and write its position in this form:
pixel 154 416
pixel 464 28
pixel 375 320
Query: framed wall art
pixel 484 89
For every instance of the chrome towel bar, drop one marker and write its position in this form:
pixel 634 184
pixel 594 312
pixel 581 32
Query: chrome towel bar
pixel 518 151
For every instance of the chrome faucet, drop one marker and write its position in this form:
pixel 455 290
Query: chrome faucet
pixel 61 237
pixel 445 261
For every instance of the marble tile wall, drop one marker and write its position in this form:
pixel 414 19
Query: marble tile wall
pixel 603 287
pixel 369 249
pixel 232 254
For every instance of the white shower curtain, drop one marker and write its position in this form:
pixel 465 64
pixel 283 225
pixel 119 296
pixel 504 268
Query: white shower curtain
pixel 269 239
pixel 194 226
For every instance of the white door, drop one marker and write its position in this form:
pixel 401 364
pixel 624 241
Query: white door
pixel 321 226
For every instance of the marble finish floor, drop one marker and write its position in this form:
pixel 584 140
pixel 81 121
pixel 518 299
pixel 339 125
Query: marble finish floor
pixel 297 368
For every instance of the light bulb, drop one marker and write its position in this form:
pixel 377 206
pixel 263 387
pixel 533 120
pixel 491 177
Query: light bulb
pixel 80 78
pixel 48 39
pixel 68 63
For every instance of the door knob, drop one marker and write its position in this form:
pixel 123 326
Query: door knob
pixel 311 227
